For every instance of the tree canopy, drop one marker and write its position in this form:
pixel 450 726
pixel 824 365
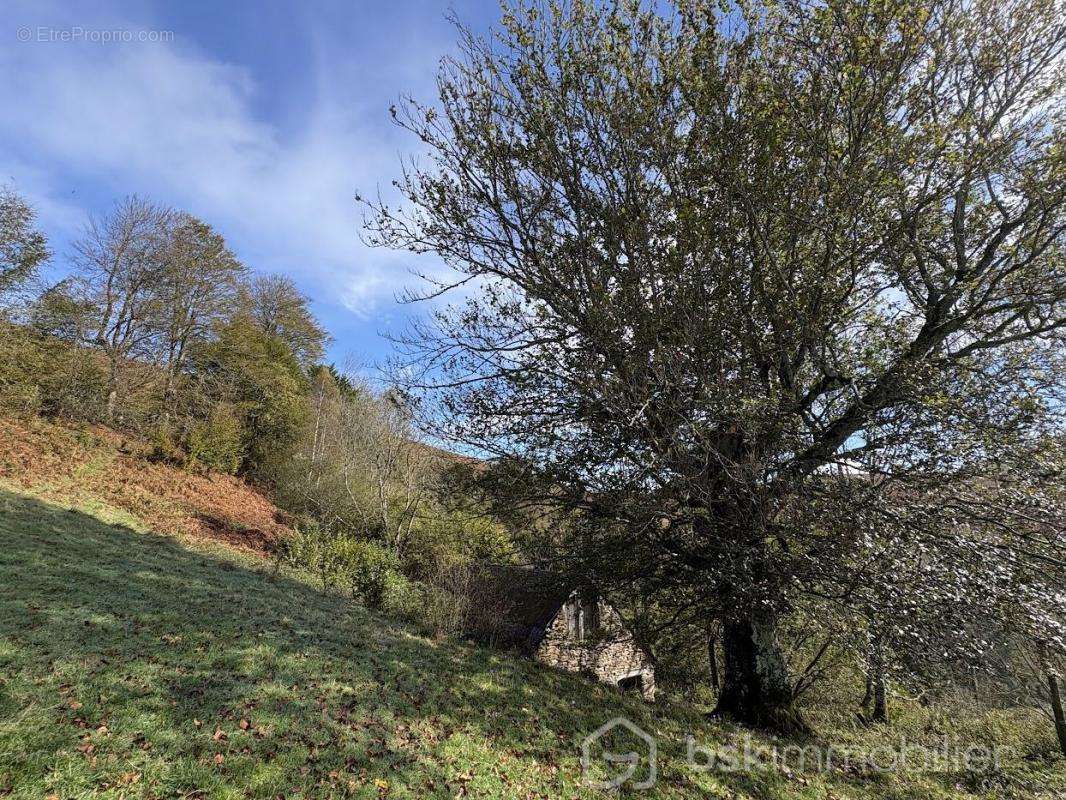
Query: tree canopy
pixel 22 247
pixel 751 279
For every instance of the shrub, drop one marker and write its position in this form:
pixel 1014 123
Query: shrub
pixel 309 548
pixel 215 443
pixel 74 388
pixel 447 601
pixel 405 599
pixel 19 363
pixel 445 538
pixel 368 569
pixel 40 374
pixel 162 449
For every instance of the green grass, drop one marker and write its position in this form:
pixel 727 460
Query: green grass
pixel 138 665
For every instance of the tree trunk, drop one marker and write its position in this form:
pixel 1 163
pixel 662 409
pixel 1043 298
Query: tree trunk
pixel 880 712
pixel 756 690
pixel 112 400
pixel 1056 709
pixel 877 678
pixel 112 389
pixel 712 655
pixel 168 396
pixel 876 693
pixel 868 696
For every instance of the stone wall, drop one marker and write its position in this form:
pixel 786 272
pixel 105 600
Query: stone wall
pixel 611 655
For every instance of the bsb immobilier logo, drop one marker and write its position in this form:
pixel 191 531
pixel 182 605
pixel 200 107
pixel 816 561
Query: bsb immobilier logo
pixel 607 769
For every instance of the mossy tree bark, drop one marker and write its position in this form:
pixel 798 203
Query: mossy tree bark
pixel 712 655
pixel 1056 709
pixel 756 689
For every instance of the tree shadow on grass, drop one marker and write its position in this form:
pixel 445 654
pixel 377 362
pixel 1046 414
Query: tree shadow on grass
pixel 128 654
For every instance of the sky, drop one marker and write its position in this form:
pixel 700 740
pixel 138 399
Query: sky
pixel 264 118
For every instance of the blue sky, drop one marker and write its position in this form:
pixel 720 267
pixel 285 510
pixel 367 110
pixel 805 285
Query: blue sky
pixel 262 118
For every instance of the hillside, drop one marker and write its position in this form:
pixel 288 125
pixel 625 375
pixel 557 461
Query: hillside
pixel 96 465
pixel 141 665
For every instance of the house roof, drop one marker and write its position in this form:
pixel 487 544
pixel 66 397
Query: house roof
pixel 531 596
pixel 514 603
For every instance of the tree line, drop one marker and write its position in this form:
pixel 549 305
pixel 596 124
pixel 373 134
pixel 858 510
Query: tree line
pixel 160 331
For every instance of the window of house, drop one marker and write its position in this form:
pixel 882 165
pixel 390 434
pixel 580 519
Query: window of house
pixel 573 620
pixel 590 616
pixel 583 617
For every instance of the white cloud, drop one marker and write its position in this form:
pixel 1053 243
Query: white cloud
pixel 165 120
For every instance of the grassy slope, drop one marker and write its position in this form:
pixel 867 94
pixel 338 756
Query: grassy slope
pixel 95 465
pixel 140 665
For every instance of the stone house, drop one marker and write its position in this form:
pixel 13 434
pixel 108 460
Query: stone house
pixel 560 624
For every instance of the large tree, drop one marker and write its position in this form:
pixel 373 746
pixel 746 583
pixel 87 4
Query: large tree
pixel 199 289
pixel 257 376
pixel 23 248
pixel 732 264
pixel 121 262
pixel 279 308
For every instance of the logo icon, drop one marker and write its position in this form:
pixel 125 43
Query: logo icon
pixel 632 759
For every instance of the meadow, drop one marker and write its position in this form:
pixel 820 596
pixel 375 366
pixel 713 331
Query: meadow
pixel 134 664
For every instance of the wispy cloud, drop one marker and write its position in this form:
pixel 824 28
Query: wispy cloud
pixel 168 120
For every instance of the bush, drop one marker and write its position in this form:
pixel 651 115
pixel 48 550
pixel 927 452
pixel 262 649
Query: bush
pixel 20 363
pixel 215 443
pixel 368 568
pixel 445 538
pixel 162 449
pixel 447 601
pixel 308 548
pixel 405 599
pixel 74 387
pixel 40 374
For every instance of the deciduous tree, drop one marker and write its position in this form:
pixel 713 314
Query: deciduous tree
pixel 121 262
pixel 198 290
pixel 23 248
pixel 279 308
pixel 724 254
